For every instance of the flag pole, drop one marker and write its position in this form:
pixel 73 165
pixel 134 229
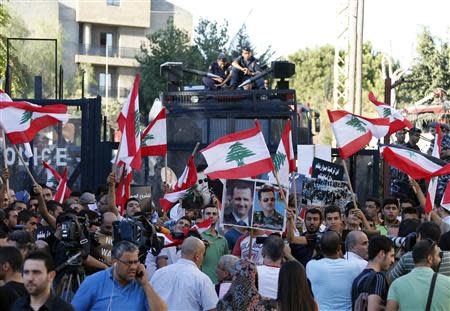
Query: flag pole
pixel 283 196
pixel 250 244
pixel 165 166
pixel 24 164
pixel 5 154
pixel 117 156
pixel 294 184
pixel 349 183
pixel 195 149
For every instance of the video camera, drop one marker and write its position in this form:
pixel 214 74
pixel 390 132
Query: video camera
pixel 75 238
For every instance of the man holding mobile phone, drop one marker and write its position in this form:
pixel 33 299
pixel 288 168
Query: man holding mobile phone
pixel 124 286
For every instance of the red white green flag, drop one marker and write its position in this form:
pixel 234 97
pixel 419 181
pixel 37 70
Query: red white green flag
pixel 22 120
pixel 432 186
pixel 238 155
pixel 154 138
pixel 53 177
pixel 396 119
pixel 129 125
pixel 353 132
pixel 123 188
pixel 185 182
pixel 284 160
pixel 63 191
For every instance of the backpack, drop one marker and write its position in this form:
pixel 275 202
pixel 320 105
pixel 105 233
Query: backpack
pixel 362 301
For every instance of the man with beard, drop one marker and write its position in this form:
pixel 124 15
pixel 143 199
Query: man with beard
pixel 125 286
pixel 302 252
pixel 410 292
pixel 38 275
pixel 372 280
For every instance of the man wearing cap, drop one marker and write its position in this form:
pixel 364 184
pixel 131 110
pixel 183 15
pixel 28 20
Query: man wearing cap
pixel 414 137
pixel 245 67
pixel 87 200
pixel 221 68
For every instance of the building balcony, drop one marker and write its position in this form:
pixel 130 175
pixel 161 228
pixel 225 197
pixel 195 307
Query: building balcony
pixel 123 56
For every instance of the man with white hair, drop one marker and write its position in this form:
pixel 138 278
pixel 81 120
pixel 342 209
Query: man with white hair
pixel 182 285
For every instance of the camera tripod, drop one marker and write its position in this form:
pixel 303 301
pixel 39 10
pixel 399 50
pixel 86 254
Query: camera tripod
pixel 72 278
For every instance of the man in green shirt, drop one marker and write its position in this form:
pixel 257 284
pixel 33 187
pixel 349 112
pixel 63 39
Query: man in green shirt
pixel 218 245
pixel 410 292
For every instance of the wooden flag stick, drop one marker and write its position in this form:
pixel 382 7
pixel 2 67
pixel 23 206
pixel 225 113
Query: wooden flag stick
pixel 281 188
pixel 250 245
pixel 117 157
pixel 350 183
pixel 195 149
pixel 24 164
pixel 165 171
pixel 294 185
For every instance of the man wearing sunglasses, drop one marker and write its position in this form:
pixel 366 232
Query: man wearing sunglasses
pixel 125 286
pixel 268 217
pixel 414 290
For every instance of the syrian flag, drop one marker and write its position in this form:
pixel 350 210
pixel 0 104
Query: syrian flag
pixel 53 177
pixel 396 119
pixel 431 193
pixel 445 202
pixel 154 138
pixel 62 192
pixel 284 160
pixel 129 121
pixel 414 163
pixel 22 120
pixel 238 155
pixel 123 188
pixel 202 226
pixel 185 182
pixel 354 132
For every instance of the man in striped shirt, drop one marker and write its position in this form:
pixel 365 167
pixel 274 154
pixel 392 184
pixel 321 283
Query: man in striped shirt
pixel 426 230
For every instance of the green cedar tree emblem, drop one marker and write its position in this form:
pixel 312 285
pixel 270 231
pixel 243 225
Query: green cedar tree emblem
pixel 238 153
pixel 147 139
pixel 357 124
pixel 411 154
pixel 386 112
pixel 26 116
pixel 278 160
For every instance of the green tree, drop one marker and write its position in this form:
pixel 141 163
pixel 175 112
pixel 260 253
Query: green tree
pixel 430 69
pixel 169 44
pixel 357 123
pixel 237 152
pixel 210 38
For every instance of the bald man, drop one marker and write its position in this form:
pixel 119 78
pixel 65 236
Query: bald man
pixel 104 238
pixel 182 285
pixel 357 248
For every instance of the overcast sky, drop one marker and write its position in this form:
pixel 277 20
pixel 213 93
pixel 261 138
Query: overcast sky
pixel 290 25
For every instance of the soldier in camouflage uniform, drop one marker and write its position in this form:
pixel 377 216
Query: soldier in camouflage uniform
pixel 268 218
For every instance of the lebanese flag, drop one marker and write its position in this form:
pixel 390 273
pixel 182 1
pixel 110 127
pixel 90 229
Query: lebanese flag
pixel 284 160
pixel 445 202
pixel 431 193
pixel 202 226
pixel 396 119
pixel 129 120
pixel 354 132
pixel 154 138
pixel 414 163
pixel 53 177
pixel 22 120
pixel 238 155
pixel 62 192
pixel 123 188
pixel 186 181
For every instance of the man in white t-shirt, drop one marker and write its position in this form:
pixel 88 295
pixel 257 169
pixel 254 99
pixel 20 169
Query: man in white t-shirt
pixel 357 247
pixel 332 277
pixel 272 253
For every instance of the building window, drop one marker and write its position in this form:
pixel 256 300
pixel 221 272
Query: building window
pixel 113 2
pixel 102 84
pixel 106 39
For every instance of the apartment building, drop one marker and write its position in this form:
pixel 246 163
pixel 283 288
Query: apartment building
pixel 106 34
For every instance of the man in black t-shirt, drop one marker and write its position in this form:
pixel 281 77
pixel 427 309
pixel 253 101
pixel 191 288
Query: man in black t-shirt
pixel 221 67
pixel 10 264
pixel 371 280
pixel 245 67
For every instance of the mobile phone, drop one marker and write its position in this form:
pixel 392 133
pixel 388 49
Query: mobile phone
pixel 139 274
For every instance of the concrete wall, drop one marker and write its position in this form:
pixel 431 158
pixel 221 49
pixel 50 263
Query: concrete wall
pixel 161 11
pixel 128 13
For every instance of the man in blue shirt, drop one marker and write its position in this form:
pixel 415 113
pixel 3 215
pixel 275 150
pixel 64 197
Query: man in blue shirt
pixel 125 286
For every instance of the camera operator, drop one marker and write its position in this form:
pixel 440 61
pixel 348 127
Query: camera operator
pixel 168 255
pixel 103 239
pixel 304 252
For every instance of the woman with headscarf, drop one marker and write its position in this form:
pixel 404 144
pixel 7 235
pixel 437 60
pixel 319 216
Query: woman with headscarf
pixel 243 293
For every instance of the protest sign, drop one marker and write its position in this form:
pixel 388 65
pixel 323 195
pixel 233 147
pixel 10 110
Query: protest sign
pixel 326 170
pixel 321 192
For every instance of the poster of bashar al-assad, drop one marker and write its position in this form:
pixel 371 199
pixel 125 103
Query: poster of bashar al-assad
pixel 269 207
pixel 321 192
pixel 238 202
